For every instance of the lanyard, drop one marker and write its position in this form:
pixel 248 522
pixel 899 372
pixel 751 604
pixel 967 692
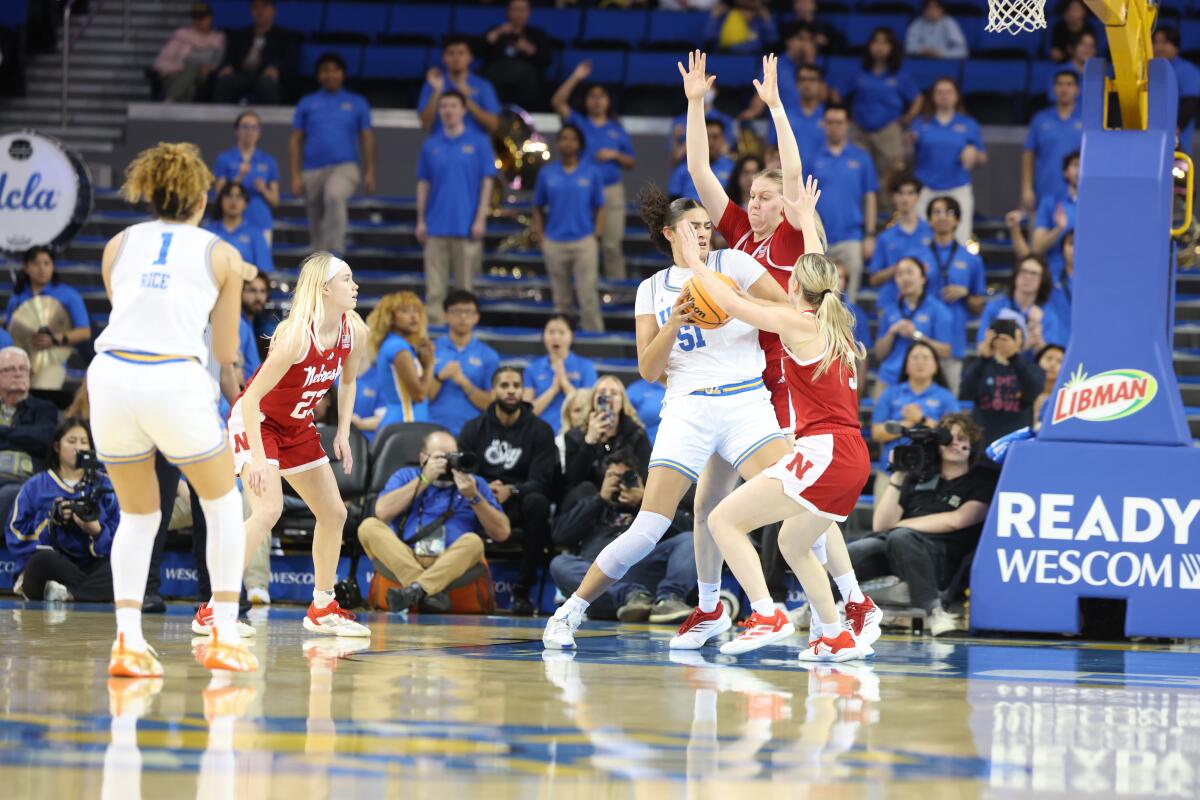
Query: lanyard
pixel 944 265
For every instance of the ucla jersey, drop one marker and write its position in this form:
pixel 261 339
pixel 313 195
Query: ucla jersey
pixel 163 291
pixel 703 359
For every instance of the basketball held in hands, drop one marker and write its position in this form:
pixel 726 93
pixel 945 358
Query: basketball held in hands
pixel 706 313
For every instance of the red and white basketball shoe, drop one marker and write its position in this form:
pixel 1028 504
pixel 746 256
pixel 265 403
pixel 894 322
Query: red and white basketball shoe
pixel 864 619
pixel 759 632
pixel 334 621
pixel 697 629
pixel 841 648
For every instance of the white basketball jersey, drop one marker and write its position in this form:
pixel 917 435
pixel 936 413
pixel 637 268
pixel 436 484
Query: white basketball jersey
pixel 163 291
pixel 702 359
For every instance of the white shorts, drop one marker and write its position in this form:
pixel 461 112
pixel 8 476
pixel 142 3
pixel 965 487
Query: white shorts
pixel 694 427
pixel 140 406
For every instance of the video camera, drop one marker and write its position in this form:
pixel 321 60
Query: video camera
pixel 85 506
pixel 627 480
pixel 463 462
pixel 920 457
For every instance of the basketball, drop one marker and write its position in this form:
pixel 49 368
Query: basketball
pixel 707 313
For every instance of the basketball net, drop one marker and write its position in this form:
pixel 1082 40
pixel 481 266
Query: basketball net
pixel 1016 16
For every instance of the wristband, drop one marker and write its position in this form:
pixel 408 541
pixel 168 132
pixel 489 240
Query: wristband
pixel 421 477
pixel 777 112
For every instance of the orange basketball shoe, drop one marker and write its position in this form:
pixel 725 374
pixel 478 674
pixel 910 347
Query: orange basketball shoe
pixel 228 656
pixel 126 663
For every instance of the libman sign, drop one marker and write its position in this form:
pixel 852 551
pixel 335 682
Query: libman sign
pixel 1108 396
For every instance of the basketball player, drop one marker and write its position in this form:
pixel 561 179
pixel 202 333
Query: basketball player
pixel 715 404
pixel 823 476
pixel 773 235
pixel 273 433
pixel 150 391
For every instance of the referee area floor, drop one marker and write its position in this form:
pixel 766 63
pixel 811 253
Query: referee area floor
pixel 456 707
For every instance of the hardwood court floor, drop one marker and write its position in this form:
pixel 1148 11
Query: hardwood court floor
pixel 445 707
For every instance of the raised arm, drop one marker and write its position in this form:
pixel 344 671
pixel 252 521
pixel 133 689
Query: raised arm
pixel 695 85
pixel 560 102
pixel 801 211
pixel 789 151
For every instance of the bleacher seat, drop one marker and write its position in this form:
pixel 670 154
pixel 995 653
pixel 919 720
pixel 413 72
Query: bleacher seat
pixel 927 70
pixel 394 447
pixel 419 23
pixel 1189 37
pixel 366 20
pixel 560 24
pixel 477 20
pixel 1041 77
pixel 395 61
pixel 840 69
pixel 230 14
pixel 613 28
pixel 608 66
pixel 972 28
pixel 994 90
pixel 677 30
pixel 859 33
pixel 302 18
pixel 1001 45
pixel 653 69
pixel 733 71
pixel 351 53
pixel 908 7
pixel 14 13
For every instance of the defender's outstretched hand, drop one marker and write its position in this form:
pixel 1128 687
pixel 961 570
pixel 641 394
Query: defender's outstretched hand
pixel 768 87
pixel 695 83
pixel 805 205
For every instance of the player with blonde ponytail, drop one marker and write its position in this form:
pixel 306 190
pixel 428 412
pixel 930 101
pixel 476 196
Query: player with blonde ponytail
pixel 821 479
pixel 274 436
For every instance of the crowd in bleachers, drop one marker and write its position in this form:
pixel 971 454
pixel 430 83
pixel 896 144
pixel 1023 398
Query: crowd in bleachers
pixel 878 94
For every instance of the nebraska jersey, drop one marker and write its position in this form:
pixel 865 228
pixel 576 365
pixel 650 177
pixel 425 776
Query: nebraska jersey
pixel 289 406
pixel 827 405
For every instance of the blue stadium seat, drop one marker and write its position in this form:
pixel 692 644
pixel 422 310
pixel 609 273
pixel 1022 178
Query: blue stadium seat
pixel 842 23
pixel 476 20
pixel 395 61
pixel 1041 76
pixel 1189 35
pixel 230 14
pixel 927 70
pixel 609 27
pixel 561 24
pixel 889 6
pixel 864 24
pixel 352 53
pixel 675 28
pixel 1025 45
pixel 14 13
pixel 995 77
pixel 653 69
pixel 429 22
pixel 300 17
pixel 839 70
pixel 972 28
pixel 368 19
pixel 733 71
pixel 608 66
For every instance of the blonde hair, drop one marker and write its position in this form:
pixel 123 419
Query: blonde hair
pixel 583 395
pixel 379 321
pixel 627 409
pixel 776 175
pixel 816 280
pixel 171 176
pixel 307 311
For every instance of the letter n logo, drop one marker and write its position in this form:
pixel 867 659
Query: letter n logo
pixel 800 465
pixel 241 442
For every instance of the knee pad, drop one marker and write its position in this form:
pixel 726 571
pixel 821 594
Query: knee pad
pixel 818 549
pixel 633 545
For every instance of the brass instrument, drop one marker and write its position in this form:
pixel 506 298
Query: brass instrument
pixel 42 314
pixel 520 153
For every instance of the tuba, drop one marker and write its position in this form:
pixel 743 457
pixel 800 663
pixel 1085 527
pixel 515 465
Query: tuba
pixel 520 153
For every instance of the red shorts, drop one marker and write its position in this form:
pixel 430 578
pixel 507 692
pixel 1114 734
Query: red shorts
pixel 826 473
pixel 777 386
pixel 293 449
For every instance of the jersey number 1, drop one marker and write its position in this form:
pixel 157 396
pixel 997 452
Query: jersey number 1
pixel 162 252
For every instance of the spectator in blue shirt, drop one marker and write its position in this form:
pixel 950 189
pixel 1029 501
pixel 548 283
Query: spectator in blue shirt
pixel 801 49
pixel 883 101
pixel 916 316
pixel 1026 300
pixel 1187 78
pixel 680 184
pixel 906 235
pixel 369 408
pixel 738 185
pixel 848 185
pixel 332 128
pixel 550 378
pixel 677 146
pixel 38 279
pixel 479 96
pixel 935 34
pixel 1080 48
pixel 1060 295
pixel 920 398
pixel 1053 133
pixel 256 171
pixel 60 554
pixel 957 276
pixel 1055 216
pixel 463 365
pixel 5 339
pixel 647 399
pixel 608 146
pixel 429 527
pixel 948 145
pixel 404 361
pixel 744 27
pixel 454 188
pixel 230 223
pixel 568 214
pixel 807 113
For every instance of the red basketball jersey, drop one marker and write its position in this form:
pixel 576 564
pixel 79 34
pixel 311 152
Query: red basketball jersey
pixel 289 406
pixel 827 405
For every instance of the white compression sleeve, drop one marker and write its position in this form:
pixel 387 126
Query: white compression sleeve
pixel 633 545
pixel 226 551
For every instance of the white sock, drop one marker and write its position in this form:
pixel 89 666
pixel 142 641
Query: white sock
pixel 575 607
pixel 322 598
pixel 765 607
pixel 848 587
pixel 226 556
pixel 710 596
pixel 831 630
pixel 132 547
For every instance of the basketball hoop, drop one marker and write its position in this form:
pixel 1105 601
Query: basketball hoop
pixel 1016 16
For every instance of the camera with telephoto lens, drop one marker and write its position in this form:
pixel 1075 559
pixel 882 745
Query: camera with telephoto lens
pixel 84 506
pixel 463 462
pixel 920 457
pixel 626 480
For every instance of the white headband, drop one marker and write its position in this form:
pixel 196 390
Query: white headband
pixel 336 265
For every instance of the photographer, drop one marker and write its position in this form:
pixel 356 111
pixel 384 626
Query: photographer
pixel 1003 382
pixel 656 587
pixel 612 425
pixel 929 519
pixel 427 524
pixel 63 523
pixel 519 460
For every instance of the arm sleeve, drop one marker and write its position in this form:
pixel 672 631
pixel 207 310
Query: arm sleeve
pixel 870 180
pixel 77 309
pixel 486 492
pixel 1045 213
pixel 486 98
pixel 262 252
pixel 587 376
pixel 644 303
pixel 423 98
pixel 1031 141
pixel 29 515
pixel 487 159
pixel 364 114
pixel 977 282
pixel 878 257
pixel 425 167
pixel 272 168
pixel 975 136
pixel 597 191
pixel 543 467
pixel 908 87
pixel 300 117
pixel 221 166
pixel 956 43
pixel 399 478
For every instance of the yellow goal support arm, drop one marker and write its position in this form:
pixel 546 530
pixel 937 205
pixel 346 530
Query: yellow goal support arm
pixel 1130 27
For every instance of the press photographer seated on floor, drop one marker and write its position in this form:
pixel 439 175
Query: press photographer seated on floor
pixel 63 522
pixel 655 588
pixel 930 516
pixel 429 525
